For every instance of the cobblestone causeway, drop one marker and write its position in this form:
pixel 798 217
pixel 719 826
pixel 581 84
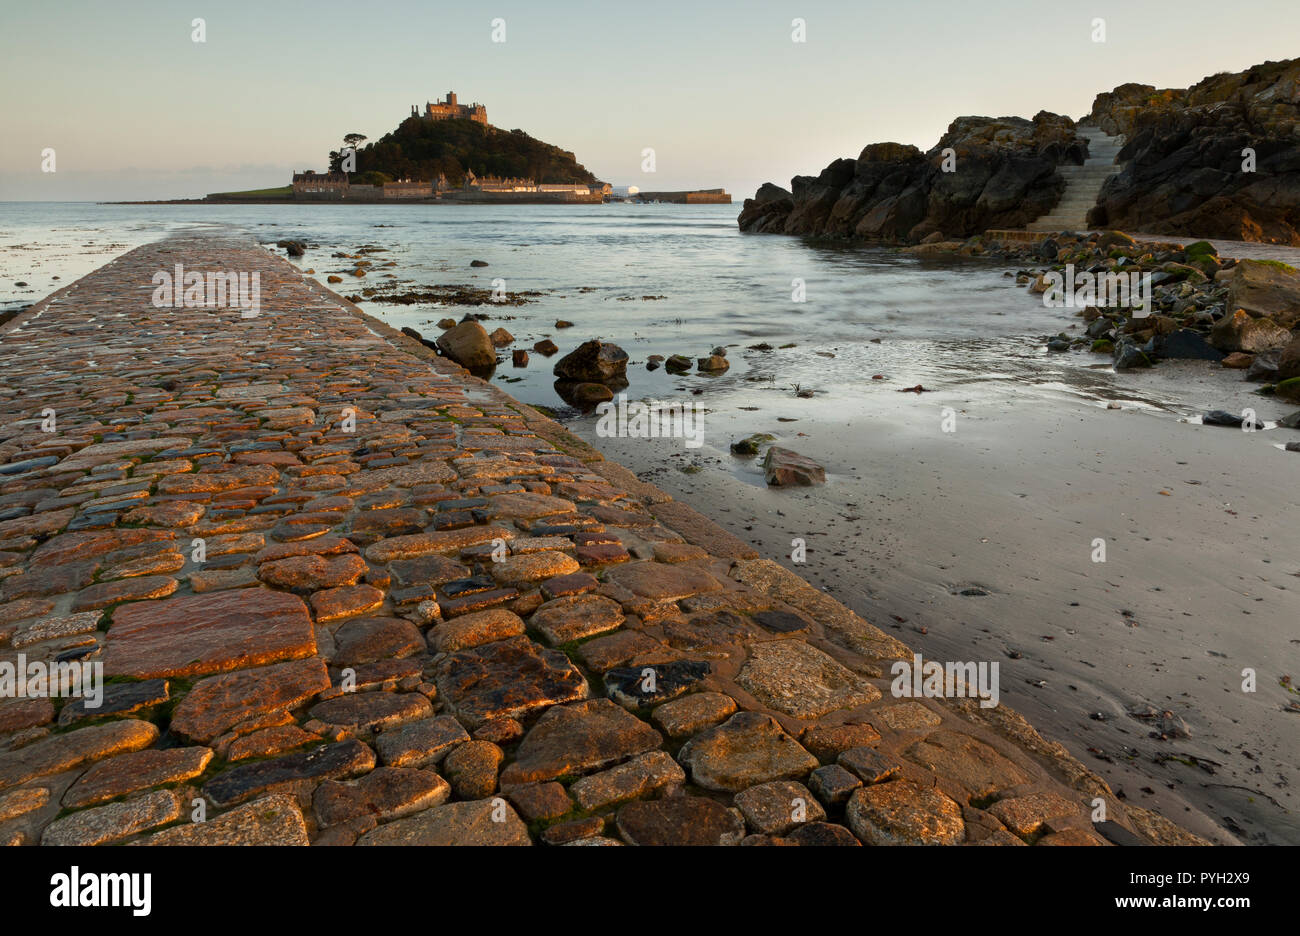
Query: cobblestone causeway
pixel 344 593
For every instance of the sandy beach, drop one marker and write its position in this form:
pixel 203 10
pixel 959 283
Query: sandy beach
pixel 1199 583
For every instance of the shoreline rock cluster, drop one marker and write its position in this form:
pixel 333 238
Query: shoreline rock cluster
pixel 983 173
pixel 1244 314
pixel 1186 170
pixel 1220 159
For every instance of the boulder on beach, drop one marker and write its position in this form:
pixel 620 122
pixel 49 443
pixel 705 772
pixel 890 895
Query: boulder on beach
pixel 468 345
pixel 1240 332
pixel 783 467
pixel 593 361
pixel 1266 289
pixel 1263 369
pixel 1129 356
pixel 1288 363
pixel 1185 344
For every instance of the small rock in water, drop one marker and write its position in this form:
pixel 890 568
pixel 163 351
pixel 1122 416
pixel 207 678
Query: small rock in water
pixel 593 361
pixel 1290 422
pixel 546 346
pixel 592 393
pixel 677 363
pixel 750 445
pixel 713 364
pixel 654 361
pixel 804 393
pixel 561 323
pixel 446 323
pixel 519 357
pixel 478 263
pixel 783 468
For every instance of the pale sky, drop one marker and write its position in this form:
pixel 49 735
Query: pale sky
pixel 133 108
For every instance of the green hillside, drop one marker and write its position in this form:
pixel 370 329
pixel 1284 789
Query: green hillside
pixel 420 149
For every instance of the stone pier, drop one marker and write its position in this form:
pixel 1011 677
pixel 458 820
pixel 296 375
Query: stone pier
pixel 344 593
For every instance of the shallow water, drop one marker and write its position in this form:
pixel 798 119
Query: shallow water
pixel 866 311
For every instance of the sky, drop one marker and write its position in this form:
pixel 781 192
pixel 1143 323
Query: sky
pixel 134 108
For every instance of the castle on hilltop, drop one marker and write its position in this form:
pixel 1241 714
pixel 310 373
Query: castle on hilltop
pixel 448 109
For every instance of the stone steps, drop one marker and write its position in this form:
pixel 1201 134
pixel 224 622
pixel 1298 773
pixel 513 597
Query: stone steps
pixel 1082 184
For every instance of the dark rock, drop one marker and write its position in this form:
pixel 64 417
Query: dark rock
pixel 1129 356
pixel 751 444
pixel 1263 369
pixel 281 774
pixel 639 686
pixel 1185 344
pixel 1006 178
pixel 594 362
pixel 1183 157
pixel 1224 418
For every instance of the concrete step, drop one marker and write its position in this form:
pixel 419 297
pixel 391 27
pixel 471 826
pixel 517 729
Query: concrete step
pixel 1082 184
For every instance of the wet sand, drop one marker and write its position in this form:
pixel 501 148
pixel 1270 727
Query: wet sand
pixel 1198 584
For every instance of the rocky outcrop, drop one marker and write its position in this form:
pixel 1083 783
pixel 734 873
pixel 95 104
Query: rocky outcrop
pixel 983 173
pixel 1185 172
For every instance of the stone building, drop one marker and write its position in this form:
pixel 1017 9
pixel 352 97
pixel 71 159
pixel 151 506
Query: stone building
pixel 406 188
pixel 449 108
pixel 312 184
